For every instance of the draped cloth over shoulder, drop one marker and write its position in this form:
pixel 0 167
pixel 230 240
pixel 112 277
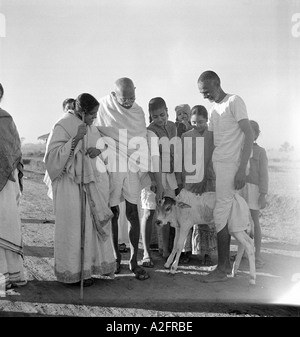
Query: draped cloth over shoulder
pixel 11 247
pixel 58 161
pixel 64 181
pixel 125 131
pixel 10 148
pixel 10 161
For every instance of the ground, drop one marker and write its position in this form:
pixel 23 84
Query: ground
pixel 163 295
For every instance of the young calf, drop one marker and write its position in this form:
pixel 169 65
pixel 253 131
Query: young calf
pixel 196 209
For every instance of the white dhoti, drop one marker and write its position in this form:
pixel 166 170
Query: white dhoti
pixel 230 206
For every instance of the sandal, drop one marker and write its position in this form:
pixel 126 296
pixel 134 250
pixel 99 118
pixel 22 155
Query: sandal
pixel 147 262
pixel 118 267
pixel 123 248
pixel 140 273
pixel 89 282
pixel 86 283
pixel 8 286
pixel 18 284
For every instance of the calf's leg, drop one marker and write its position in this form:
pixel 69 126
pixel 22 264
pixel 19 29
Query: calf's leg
pixel 245 240
pixel 172 255
pixel 238 259
pixel 178 248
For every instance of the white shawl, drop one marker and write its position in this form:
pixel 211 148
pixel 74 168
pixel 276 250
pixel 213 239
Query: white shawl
pixel 115 121
pixel 59 162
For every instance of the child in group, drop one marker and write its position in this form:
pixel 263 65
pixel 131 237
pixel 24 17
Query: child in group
pixel 69 105
pixel 256 189
pixel 183 112
pixel 202 239
pixel 158 128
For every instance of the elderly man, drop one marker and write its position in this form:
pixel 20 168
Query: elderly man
pixel 231 131
pixel 122 122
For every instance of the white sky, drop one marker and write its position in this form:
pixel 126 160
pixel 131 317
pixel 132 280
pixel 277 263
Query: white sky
pixel 60 48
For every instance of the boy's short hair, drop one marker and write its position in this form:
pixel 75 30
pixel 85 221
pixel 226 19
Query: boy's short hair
pixel 157 103
pixel 199 110
pixel 68 101
pixel 255 126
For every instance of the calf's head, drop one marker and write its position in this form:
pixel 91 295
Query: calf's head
pixel 166 211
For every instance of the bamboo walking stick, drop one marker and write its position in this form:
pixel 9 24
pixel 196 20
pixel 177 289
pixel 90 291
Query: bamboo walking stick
pixel 83 209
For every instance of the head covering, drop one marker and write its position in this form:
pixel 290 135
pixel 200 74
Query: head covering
pixel 183 107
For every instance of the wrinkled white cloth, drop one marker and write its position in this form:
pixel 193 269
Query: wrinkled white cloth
pixel 58 162
pixel 64 169
pixel 10 221
pixel 124 130
pixel 11 250
pixel 224 123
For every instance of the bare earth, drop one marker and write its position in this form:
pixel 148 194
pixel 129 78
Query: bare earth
pixel 163 295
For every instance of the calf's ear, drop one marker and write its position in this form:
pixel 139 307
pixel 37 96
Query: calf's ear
pixel 183 205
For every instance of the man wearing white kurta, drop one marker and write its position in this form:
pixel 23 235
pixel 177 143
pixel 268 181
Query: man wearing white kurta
pixel 230 128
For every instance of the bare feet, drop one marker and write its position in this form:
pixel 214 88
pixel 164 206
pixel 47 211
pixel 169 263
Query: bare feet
pixel 259 263
pixel 215 276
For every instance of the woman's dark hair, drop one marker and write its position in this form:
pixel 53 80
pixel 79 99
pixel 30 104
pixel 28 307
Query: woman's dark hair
pixel 85 102
pixel 157 103
pixel 1 91
pixel 199 110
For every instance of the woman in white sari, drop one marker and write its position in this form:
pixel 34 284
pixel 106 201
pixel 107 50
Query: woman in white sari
pixel 63 160
pixel 11 168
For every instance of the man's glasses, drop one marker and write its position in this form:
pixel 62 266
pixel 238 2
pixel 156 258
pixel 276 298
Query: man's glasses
pixel 126 101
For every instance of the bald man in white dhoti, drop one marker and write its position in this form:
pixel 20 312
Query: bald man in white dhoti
pixel 122 123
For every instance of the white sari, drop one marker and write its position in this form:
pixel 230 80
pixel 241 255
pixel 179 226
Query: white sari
pixel 11 251
pixel 64 170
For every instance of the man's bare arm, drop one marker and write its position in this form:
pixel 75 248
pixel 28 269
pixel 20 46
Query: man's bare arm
pixel 240 177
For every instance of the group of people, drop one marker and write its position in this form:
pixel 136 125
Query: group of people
pixel 87 187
